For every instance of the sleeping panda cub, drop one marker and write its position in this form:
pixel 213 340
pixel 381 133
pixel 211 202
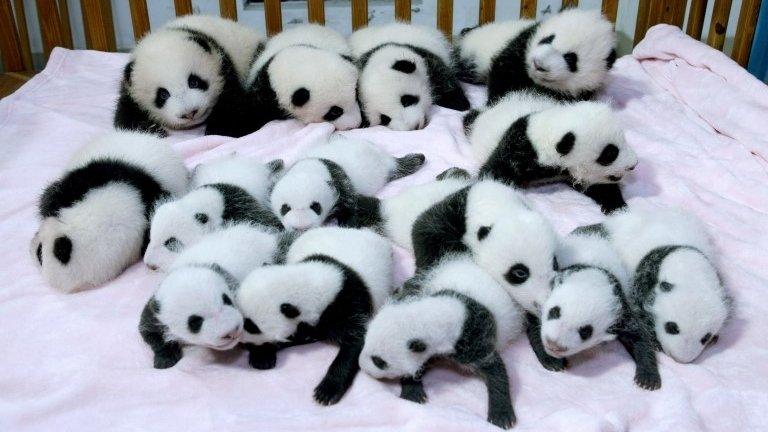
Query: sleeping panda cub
pixel 404 70
pixel 587 305
pixel 231 189
pixel 566 56
pixel 281 85
pixel 676 288
pixel 507 238
pixel 333 282
pixel 326 182
pixel 95 217
pixel 194 304
pixel 461 313
pixel 528 139
pixel 178 75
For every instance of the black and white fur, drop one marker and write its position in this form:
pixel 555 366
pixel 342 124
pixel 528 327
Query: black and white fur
pixel 460 312
pixel 231 189
pixel 325 183
pixel 566 56
pixel 95 217
pixel 676 287
pixel 332 283
pixel 405 69
pixel 588 306
pixel 180 74
pixel 528 139
pixel 194 304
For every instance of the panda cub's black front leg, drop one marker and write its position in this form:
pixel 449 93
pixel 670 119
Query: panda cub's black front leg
pixel 494 373
pixel 412 389
pixel 262 356
pixel 533 330
pixel 646 369
pixel 340 374
pixel 608 196
pixel 167 355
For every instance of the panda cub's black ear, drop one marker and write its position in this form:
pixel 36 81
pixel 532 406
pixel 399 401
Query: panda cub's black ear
pixel 300 97
pixel 275 166
pixel 611 59
pixel 404 66
pixel 201 218
pixel 289 310
pixel 62 249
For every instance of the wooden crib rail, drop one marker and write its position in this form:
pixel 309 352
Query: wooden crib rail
pixel 54 20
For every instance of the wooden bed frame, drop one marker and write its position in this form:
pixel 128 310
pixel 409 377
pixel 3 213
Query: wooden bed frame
pixel 55 29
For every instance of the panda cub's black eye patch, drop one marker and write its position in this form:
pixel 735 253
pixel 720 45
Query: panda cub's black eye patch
pixel 404 66
pixel 608 155
pixel 201 217
pixel 195 82
pixel 483 232
pixel 39 253
pixel 671 327
pixel 333 113
pixel 62 249
pixel 284 209
pixel 173 244
pixel 227 301
pixel 554 313
pixel 566 144
pixel 379 362
pixel 666 286
pixel 547 40
pixel 408 100
pixel 571 60
pixel 195 322
pixel 585 332
pixel 316 207
pixel 706 338
pixel 289 310
pixel 300 97
pixel 251 326
pixel 417 345
pixel 517 274
pixel 161 96
pixel 384 120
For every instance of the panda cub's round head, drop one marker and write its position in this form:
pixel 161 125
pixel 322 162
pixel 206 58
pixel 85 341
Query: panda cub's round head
pixel 175 76
pixel 580 311
pixel 585 138
pixel 304 197
pixel 572 51
pixel 196 307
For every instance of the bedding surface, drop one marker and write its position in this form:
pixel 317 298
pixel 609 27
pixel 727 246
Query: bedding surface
pixel 698 122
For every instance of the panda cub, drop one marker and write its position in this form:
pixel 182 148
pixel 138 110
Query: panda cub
pixel 530 139
pixel 587 305
pixel 460 313
pixel 325 183
pixel 232 189
pixel 281 85
pixel 404 70
pixel 676 288
pixel 507 238
pixel 95 217
pixel 566 56
pixel 193 304
pixel 332 283
pixel 180 74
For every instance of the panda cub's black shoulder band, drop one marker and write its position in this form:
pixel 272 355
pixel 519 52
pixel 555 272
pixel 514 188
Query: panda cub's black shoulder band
pixel 347 202
pixel 478 333
pixel 597 229
pixel 240 206
pixel 229 278
pixel 75 185
pixel 647 273
pixel 166 353
pixel 440 229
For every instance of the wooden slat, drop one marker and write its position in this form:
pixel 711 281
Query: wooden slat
pixel 667 12
pixel 609 9
pixel 21 25
pixel 316 11
pixel 487 11
pixel 528 9
pixel 228 9
pixel 274 16
pixel 445 17
pixel 403 10
pixel 745 31
pixel 9 39
pixel 99 29
pixel 359 14
pixel 182 7
pixel 719 24
pixel 641 24
pixel 139 18
pixel 66 29
pixel 696 18
pixel 570 4
pixel 50 25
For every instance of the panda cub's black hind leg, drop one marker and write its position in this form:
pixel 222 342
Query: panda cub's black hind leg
pixel 646 369
pixel 494 373
pixel 608 196
pixel 407 165
pixel 412 389
pixel 533 330
pixel 263 356
pixel 340 374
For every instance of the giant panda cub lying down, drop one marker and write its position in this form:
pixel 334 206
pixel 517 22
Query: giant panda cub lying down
pixel 566 56
pixel 179 75
pixel 95 217
pixel 527 138
pixel 227 190
pixel 404 70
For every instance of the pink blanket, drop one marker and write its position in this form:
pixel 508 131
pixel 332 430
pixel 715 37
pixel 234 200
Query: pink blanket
pixel 76 362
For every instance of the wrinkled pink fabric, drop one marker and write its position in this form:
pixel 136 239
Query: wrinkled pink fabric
pixel 76 362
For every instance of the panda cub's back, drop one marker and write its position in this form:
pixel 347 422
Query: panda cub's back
pixel 428 38
pixel 482 44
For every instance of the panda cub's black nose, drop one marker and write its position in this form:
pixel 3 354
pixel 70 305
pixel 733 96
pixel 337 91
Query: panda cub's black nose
pixel 379 362
pixel 333 113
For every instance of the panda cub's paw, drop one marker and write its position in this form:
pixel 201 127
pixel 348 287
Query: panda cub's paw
pixel 261 358
pixel 413 391
pixel 648 380
pixel 554 364
pixel 329 391
pixel 504 419
pixel 167 358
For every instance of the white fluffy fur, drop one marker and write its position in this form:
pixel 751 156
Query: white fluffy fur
pixel 312 286
pixel 401 211
pixel 316 35
pixel 107 227
pixel 428 38
pixel 698 302
pixel 437 321
pixel 480 45
pixel 176 218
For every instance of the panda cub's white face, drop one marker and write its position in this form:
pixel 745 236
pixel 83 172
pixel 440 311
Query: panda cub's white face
pixel 395 89
pixel 304 197
pixel 196 307
pixel 176 78
pixel 572 51
pixel 579 312
pixel 316 86
pixel 584 137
